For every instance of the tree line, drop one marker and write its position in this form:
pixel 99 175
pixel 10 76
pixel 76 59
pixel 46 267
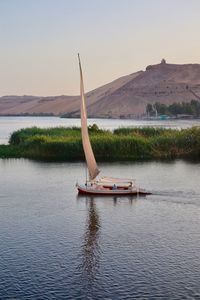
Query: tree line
pixel 191 108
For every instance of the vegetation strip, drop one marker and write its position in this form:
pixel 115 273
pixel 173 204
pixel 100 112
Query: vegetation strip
pixel 175 109
pixel 64 144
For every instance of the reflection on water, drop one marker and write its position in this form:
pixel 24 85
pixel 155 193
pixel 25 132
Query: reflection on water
pixel 131 198
pixel 91 247
pixel 115 199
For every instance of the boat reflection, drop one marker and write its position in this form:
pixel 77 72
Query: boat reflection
pixel 132 199
pixel 90 250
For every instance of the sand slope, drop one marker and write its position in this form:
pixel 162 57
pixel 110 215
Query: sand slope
pixel 124 97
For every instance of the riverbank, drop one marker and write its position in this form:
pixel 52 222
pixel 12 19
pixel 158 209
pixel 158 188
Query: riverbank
pixel 64 144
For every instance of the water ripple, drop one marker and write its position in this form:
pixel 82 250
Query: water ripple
pixel 54 246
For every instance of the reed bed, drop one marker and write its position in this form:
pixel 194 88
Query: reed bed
pixel 65 144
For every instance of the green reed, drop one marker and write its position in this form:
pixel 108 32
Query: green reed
pixel 122 144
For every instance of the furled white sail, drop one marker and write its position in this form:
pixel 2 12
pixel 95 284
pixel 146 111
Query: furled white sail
pixel 89 155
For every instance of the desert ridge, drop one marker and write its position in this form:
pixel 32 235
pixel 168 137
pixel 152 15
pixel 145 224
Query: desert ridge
pixel 125 97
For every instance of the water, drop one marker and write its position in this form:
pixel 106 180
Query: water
pixel 55 245
pixel 10 124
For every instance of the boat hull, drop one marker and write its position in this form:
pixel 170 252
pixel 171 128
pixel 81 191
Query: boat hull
pixel 119 192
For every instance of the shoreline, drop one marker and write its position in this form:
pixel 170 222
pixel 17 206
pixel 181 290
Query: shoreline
pixel 159 118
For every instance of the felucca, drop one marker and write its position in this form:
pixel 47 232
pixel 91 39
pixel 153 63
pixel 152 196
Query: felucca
pixel 104 185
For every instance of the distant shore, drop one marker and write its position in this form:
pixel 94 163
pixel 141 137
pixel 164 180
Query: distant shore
pixel 145 118
pixel 123 144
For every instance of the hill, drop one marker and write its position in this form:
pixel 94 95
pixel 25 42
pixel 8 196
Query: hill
pixel 125 97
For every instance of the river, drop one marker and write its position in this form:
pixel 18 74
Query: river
pixel 56 245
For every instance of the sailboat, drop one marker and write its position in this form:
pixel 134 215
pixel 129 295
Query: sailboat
pixel 103 185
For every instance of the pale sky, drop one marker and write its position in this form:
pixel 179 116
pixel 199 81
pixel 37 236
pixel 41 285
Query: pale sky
pixel 40 40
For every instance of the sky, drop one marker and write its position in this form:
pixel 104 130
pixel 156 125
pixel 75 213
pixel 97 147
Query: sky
pixel 40 40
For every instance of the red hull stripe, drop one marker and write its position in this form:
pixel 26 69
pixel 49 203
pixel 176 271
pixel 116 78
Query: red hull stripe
pixel 111 193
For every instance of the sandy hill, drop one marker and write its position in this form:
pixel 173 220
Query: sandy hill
pixel 125 97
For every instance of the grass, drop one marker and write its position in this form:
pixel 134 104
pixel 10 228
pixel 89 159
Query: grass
pixel 65 144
